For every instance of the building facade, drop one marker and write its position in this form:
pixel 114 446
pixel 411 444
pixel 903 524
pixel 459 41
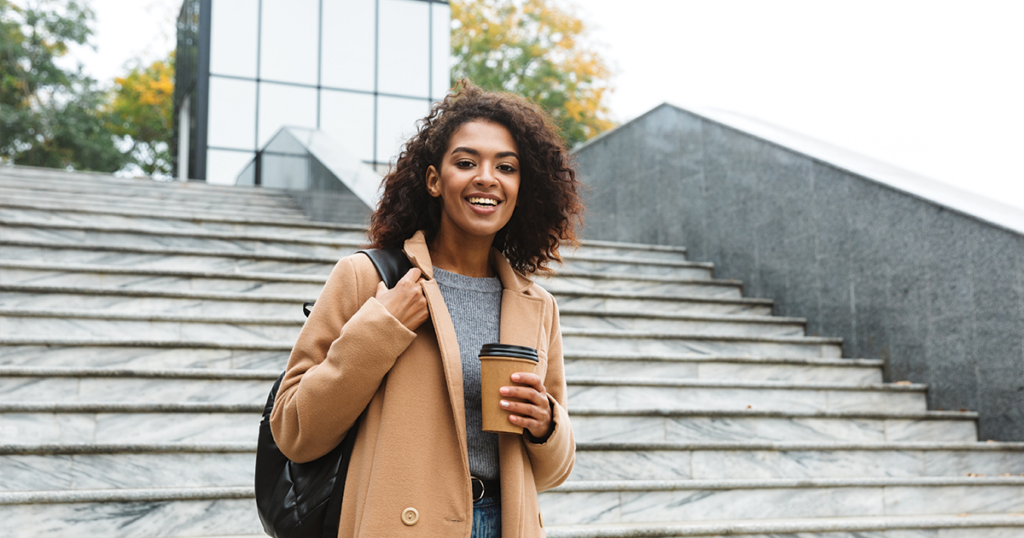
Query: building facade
pixel 361 71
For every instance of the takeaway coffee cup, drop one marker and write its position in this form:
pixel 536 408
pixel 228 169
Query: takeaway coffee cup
pixel 497 364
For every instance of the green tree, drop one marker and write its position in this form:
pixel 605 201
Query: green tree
pixel 534 49
pixel 142 112
pixel 50 116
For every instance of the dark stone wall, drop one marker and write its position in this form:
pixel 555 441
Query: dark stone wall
pixel 937 294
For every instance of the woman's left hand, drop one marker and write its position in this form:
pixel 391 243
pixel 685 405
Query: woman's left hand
pixel 535 413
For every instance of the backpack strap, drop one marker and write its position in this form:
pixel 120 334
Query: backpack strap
pixel 391 264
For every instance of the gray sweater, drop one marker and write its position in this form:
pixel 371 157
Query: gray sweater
pixel 475 307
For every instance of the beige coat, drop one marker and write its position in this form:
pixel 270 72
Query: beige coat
pixel 410 450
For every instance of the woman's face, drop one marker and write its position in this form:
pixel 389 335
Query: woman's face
pixel 478 182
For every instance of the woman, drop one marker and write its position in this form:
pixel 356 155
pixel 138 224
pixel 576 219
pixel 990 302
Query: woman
pixel 480 197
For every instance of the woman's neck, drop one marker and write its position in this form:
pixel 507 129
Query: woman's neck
pixel 467 256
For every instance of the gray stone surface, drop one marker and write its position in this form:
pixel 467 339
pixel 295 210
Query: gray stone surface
pixel 935 293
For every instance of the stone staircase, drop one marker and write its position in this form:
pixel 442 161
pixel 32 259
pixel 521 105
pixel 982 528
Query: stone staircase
pixel 142 323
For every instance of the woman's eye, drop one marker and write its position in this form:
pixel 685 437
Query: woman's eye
pixel 506 168
pixel 464 164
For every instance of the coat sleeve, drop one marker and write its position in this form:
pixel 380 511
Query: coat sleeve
pixel 345 349
pixel 552 460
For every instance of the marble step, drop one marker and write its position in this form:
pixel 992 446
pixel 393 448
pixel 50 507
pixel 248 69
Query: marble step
pixel 612 301
pixel 628 251
pixel 53 179
pixel 98 385
pixel 753 460
pixel 175 221
pixel 628 366
pixel 609 394
pixel 682 270
pixel 131 513
pixel 161 257
pixel 341 244
pixel 171 192
pixel 667 287
pixel 744 425
pixel 93 467
pixel 619 341
pixel 131 319
pixel 142 354
pixel 117 325
pixel 937 526
pixel 685 323
pixel 71 467
pixel 37 423
pixel 585 502
pixel 68 275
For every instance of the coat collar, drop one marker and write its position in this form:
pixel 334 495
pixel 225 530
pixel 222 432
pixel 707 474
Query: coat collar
pixel 419 254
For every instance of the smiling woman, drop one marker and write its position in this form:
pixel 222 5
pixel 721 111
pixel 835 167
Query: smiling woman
pixel 480 198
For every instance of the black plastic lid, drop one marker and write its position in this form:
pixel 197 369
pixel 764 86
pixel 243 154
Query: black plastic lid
pixel 509 350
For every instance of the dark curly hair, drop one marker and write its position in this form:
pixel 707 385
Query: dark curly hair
pixel 549 208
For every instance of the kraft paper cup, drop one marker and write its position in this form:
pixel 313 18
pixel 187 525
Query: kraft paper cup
pixel 497 364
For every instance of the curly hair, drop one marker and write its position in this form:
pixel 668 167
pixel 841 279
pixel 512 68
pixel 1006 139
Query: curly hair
pixel 549 209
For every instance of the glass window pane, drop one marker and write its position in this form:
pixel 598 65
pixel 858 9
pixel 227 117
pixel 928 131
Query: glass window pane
pixel 348 41
pixel 233 38
pixel 223 166
pixel 396 122
pixel 403 48
pixel 442 43
pixel 289 33
pixel 348 119
pixel 232 114
pixel 282 105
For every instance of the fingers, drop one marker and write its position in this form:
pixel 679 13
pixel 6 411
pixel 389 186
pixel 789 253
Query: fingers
pixel 411 277
pixel 381 290
pixel 533 412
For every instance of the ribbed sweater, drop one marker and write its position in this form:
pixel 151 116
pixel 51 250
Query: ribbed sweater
pixel 475 308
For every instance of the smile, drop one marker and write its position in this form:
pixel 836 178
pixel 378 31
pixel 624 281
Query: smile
pixel 486 202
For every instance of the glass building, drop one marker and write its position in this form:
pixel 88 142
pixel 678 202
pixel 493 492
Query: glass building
pixel 360 71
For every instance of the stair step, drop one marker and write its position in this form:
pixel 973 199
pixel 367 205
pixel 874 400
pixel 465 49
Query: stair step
pixel 748 460
pixel 612 301
pixel 735 325
pixel 702 425
pixel 582 502
pixel 636 394
pixel 141 354
pixel 151 220
pixel 628 251
pixel 637 266
pixel 665 287
pixel 937 526
pixel 152 191
pixel 130 513
pixel 609 341
pixel 627 366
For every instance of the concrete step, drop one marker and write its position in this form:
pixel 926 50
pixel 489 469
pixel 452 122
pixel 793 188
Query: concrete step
pixel 666 287
pixel 937 526
pixel 683 270
pixel 617 341
pixel 629 251
pixel 612 301
pixel 753 460
pixel 585 502
pixel 631 366
pixel 130 513
pixel 745 425
pixel 686 323
pixel 684 394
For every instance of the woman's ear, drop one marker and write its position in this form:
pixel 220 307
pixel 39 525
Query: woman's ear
pixel 433 181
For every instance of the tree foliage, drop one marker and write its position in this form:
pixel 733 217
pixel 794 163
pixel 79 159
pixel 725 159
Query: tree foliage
pixel 143 111
pixel 49 115
pixel 534 49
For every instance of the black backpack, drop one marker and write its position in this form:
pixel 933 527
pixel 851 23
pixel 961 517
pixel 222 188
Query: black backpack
pixel 303 500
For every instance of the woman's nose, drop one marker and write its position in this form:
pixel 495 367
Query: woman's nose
pixel 485 177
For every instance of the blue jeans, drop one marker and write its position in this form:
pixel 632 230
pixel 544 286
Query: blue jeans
pixel 487 518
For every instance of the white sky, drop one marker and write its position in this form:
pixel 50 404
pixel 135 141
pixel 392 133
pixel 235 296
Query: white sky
pixel 933 86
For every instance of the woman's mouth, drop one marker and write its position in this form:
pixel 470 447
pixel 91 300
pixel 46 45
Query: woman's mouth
pixel 482 202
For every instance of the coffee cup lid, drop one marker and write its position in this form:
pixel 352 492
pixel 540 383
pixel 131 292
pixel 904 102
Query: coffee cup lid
pixel 509 350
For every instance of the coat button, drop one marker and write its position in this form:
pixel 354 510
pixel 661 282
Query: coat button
pixel 410 516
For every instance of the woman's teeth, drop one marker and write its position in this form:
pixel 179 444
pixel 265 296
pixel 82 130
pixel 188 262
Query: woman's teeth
pixel 483 201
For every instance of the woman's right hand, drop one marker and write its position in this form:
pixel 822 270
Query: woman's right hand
pixel 405 301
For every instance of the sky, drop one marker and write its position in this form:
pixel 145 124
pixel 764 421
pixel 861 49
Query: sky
pixel 932 86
